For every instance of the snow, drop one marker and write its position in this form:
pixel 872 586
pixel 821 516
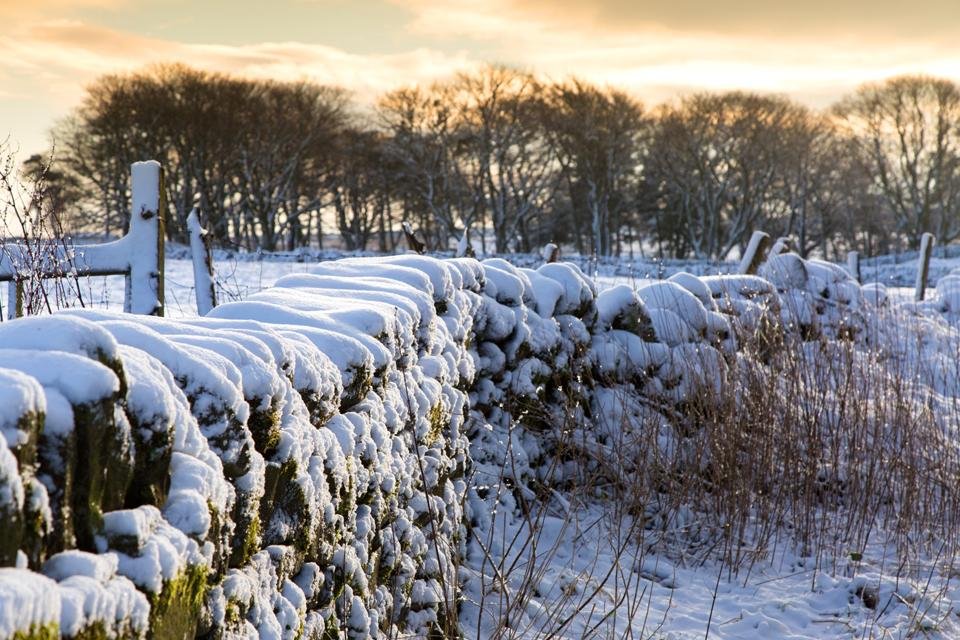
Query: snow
pixel 28 601
pixel 20 395
pixel 382 269
pixel 876 294
pixel 578 289
pixel 348 352
pixel 11 486
pixel 153 551
pixel 66 564
pixel 79 379
pixel 59 333
pixel 673 301
pixel 505 284
pixel 114 605
pixel 439 275
pixel 621 307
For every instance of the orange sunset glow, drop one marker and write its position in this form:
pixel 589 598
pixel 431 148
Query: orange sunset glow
pixel 49 49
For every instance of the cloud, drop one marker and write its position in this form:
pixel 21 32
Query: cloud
pixel 853 20
pixel 815 51
pixel 44 67
pixel 72 52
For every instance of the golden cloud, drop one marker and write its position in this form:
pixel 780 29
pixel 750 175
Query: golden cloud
pixel 73 52
pixel 814 51
pixel 854 20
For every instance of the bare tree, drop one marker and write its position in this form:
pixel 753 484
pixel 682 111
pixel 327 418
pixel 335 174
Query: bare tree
pixel 431 174
pixel 251 154
pixel 909 128
pixel 598 135
pixel 286 153
pixel 500 112
pixel 361 187
pixel 718 161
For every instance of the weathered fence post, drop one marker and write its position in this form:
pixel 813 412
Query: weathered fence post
pixel 781 246
pixel 551 252
pixel 756 252
pixel 853 266
pixel 923 265
pixel 203 277
pixel 146 235
pixel 412 243
pixel 464 248
pixel 15 298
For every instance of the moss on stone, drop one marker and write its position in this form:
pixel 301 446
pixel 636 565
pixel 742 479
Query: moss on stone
pixel 331 627
pixel 30 423
pixel 15 524
pixel 247 527
pixel 438 419
pixel 35 529
pixel 115 365
pixel 58 459
pixel 174 611
pixel 347 500
pixel 232 616
pixel 320 408
pixel 228 429
pixel 11 531
pixel 358 388
pixel 284 495
pixel 151 468
pixel 265 426
pixel 94 631
pixel 103 472
pixel 49 631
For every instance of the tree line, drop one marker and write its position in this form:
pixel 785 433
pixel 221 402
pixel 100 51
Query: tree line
pixel 517 160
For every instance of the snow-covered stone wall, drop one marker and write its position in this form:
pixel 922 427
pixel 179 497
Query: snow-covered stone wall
pixel 313 460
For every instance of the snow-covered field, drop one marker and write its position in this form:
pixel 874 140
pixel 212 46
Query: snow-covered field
pixel 603 455
pixel 240 275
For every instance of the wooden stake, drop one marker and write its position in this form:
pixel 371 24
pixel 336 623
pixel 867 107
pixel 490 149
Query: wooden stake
pixel 755 254
pixel 923 265
pixel 853 266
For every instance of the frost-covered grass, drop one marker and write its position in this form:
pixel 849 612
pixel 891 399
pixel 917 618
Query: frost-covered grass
pixel 807 491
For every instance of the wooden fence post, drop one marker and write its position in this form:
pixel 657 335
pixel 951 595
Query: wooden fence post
pixel 145 281
pixel 464 248
pixel 781 246
pixel 412 243
pixel 15 298
pixel 923 265
pixel 203 277
pixel 853 266
pixel 756 252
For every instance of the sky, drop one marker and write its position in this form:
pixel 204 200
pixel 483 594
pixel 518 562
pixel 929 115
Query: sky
pixel 811 50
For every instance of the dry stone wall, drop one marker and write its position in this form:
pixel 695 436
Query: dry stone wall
pixel 314 461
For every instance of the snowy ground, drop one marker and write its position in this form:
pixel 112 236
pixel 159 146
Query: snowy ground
pixel 235 280
pixel 240 275
pixel 580 572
